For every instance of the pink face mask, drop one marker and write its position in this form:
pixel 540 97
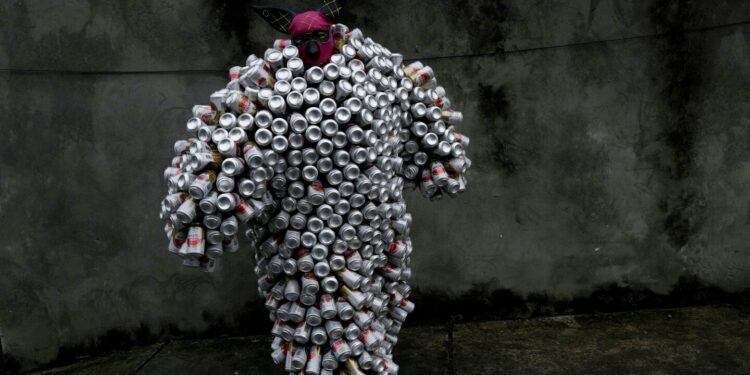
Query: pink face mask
pixel 311 33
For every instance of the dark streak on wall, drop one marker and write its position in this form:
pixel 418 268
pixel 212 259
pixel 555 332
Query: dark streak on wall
pixel 486 20
pixel 494 104
pixel 233 17
pixel 681 56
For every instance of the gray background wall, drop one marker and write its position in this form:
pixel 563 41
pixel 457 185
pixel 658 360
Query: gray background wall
pixel 610 140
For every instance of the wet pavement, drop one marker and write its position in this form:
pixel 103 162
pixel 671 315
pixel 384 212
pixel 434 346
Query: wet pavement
pixel 711 339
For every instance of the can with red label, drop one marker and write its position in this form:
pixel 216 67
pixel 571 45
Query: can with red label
pixel 202 184
pixel 439 175
pixel 203 112
pixel 195 242
pixel 259 77
pixel 240 103
pixel 341 350
pixel 252 154
pixel 327 307
pixel 313 361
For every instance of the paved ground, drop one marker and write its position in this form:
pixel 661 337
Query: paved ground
pixel 712 340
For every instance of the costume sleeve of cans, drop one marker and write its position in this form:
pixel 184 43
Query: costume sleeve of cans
pixel 314 160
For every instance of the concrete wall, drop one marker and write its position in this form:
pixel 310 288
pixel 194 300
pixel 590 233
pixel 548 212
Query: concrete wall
pixel 610 143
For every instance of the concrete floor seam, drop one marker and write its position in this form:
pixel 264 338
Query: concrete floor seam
pixel 153 354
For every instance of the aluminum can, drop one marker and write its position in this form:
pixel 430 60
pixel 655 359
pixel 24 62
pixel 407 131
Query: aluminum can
pixel 289 51
pixel 229 226
pixel 257 76
pixel 202 185
pixel 186 213
pixel 327 88
pixel 349 52
pixel 291 290
pixel 204 113
pixel 344 309
pixel 252 155
pixel 439 175
pixel 339 140
pixel 351 331
pixel 274 58
pixel 296 312
pixel 296 66
pixel 295 100
pixel 452 117
pixel 292 239
pixel 277 104
pixel 173 201
pixel 298 123
pixel 240 103
pixel 331 72
pixel 195 243
pixel 314 75
pixel 329 284
pixel 263 137
pixel 244 212
pixel 217 100
pixel 327 307
pixel 341 350
pixel 305 262
pixel 313 361
pixel 318 336
pixel 233 166
pixel 227 202
pixel 314 116
pixel 413 68
pixel 322 269
pixel 338 32
pixel 422 76
pixel 283 74
pixel 228 121
pixel 193 124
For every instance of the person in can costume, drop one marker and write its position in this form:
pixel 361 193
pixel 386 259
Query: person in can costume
pixel 311 146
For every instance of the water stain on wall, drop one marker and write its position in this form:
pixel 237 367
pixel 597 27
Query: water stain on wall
pixel 494 105
pixel 233 17
pixel 484 20
pixel 681 74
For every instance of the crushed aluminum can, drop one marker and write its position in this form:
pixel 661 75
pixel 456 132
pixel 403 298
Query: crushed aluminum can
pixel 240 103
pixel 452 117
pixel 258 77
pixel 439 175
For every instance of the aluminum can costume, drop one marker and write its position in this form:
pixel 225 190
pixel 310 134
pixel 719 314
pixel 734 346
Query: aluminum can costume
pixel 307 151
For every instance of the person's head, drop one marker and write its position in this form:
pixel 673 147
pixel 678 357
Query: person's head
pixel 310 31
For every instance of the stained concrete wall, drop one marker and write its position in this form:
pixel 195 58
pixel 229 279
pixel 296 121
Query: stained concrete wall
pixel 610 143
